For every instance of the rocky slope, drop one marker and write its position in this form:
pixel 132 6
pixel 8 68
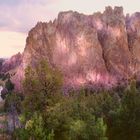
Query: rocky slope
pixel 12 63
pixel 1 63
pixel 99 50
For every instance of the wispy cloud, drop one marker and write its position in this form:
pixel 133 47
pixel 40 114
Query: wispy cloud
pixel 18 2
pixel 9 2
pixel 21 15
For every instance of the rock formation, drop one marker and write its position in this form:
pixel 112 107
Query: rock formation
pixel 1 62
pixel 12 63
pixel 99 50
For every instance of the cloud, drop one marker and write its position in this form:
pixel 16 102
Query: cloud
pixel 22 15
pixel 11 43
pixel 9 2
pixel 17 17
pixel 21 2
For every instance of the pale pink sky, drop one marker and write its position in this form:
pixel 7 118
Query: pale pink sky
pixel 17 17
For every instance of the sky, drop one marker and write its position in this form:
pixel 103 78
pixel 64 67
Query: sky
pixel 17 17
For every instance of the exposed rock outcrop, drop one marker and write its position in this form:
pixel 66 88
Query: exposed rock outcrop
pixel 99 50
pixel 9 68
pixel 12 63
pixel 113 38
pixel 1 62
pixel 133 31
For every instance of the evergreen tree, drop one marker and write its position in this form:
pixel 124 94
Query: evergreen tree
pixel 9 85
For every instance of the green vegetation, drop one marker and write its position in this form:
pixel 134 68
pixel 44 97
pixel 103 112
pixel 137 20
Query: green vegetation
pixel 4 77
pixel 47 114
pixel 13 100
pixel 9 85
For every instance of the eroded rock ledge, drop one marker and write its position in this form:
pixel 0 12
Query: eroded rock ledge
pixel 99 50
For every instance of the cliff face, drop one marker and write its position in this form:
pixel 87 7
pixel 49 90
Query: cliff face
pixel 113 38
pixel 12 63
pixel 133 32
pixel 99 50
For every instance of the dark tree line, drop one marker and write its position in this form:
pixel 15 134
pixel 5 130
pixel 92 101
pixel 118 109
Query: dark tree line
pixel 47 114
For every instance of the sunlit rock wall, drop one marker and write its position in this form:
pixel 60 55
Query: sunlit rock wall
pixel 99 50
